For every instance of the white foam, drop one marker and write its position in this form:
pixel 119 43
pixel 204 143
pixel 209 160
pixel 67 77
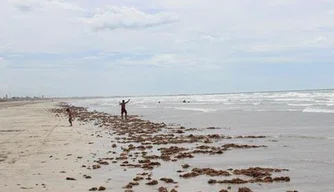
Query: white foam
pixel 109 104
pixel 304 137
pixel 296 99
pixel 300 104
pixel 193 109
pixel 317 110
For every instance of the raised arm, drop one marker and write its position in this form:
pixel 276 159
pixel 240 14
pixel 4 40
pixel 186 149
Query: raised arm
pixel 128 101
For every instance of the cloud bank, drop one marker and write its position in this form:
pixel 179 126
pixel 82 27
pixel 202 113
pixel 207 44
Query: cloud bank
pixel 176 43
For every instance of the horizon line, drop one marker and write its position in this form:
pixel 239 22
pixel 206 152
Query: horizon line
pixel 188 94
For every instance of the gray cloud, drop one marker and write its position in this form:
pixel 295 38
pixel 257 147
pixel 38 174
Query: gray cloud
pixel 24 8
pixel 115 17
pixel 32 5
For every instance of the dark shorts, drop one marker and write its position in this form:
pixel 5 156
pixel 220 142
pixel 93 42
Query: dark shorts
pixel 124 111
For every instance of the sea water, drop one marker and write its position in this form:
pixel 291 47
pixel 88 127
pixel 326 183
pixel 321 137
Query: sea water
pixel 299 126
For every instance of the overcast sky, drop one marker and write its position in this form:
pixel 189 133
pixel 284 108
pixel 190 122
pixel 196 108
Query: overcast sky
pixel 131 47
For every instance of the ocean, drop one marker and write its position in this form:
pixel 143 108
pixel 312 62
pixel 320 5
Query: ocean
pixel 299 126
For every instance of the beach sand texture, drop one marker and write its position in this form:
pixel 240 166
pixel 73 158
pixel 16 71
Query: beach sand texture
pixel 40 152
pixel 35 147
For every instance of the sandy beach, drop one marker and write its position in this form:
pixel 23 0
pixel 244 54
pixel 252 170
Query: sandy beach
pixel 40 152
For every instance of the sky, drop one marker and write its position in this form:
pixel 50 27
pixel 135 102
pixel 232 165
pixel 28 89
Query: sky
pixel 152 47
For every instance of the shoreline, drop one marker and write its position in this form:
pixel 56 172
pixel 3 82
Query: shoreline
pixel 6 104
pixel 101 150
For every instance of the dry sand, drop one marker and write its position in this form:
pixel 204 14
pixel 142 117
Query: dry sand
pixel 35 147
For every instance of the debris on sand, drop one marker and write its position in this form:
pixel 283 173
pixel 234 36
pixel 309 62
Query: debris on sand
pixel 206 171
pixel 162 189
pixel 257 172
pixel 167 180
pixel 96 166
pixel 93 189
pixel 145 145
pixel 244 189
pixel 153 182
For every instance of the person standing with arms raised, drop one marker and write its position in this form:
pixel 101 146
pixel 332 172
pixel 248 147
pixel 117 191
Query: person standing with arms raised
pixel 123 109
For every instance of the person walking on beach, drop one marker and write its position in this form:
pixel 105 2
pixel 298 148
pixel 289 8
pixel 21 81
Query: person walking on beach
pixel 70 116
pixel 123 109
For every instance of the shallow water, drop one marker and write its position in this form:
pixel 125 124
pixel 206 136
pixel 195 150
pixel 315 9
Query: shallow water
pixel 299 126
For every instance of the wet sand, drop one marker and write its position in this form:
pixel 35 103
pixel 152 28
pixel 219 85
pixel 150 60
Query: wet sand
pixel 40 152
pixel 16 103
